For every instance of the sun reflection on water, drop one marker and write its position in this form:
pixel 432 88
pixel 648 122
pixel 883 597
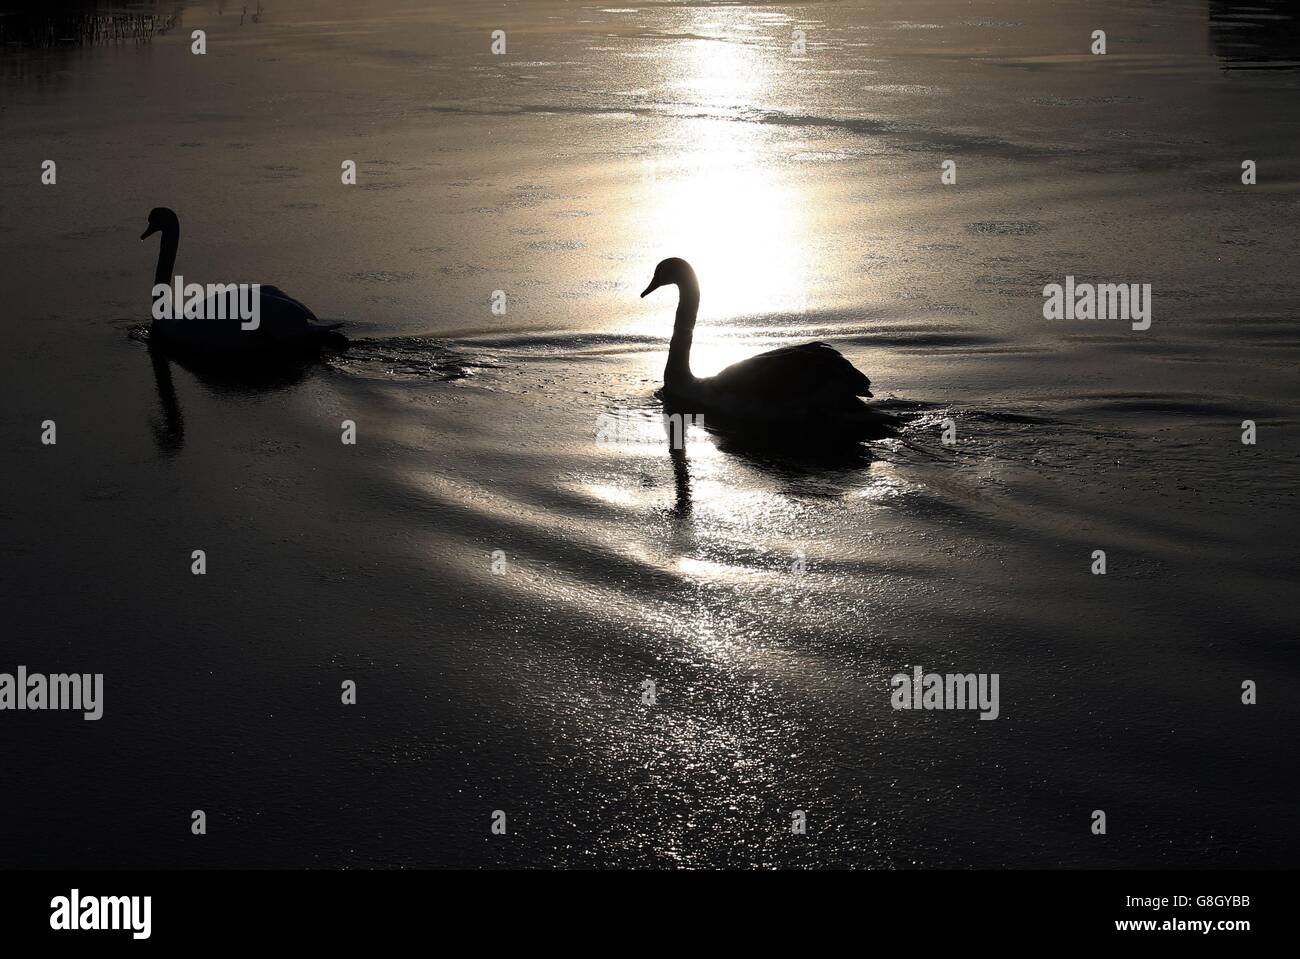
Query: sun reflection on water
pixel 716 193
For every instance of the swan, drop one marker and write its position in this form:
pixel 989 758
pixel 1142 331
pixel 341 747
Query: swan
pixel 810 386
pixel 286 326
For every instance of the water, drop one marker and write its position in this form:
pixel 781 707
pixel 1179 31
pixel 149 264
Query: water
pixel 806 191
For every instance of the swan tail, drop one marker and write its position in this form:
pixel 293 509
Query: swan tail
pixel 329 338
pixel 868 421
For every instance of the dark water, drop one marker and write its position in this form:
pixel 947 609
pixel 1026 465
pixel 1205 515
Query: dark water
pixel 805 189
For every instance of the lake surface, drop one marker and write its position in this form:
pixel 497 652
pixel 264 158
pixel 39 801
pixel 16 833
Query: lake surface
pixel 499 583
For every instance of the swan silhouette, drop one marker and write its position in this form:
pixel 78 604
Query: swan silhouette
pixel 286 326
pixel 811 387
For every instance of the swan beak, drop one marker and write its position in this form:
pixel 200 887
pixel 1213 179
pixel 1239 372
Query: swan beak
pixel 149 232
pixel 654 285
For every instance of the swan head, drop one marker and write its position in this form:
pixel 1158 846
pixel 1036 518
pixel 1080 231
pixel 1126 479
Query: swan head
pixel 673 271
pixel 161 218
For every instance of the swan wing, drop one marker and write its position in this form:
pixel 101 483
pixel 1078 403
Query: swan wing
pixel 795 373
pixel 283 317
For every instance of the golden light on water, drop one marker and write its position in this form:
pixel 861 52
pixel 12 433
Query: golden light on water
pixel 729 195
pixel 714 193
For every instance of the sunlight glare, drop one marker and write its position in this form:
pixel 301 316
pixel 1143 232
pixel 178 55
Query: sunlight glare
pixel 723 204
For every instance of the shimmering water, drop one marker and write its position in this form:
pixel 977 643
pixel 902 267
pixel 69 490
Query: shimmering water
pixel 805 187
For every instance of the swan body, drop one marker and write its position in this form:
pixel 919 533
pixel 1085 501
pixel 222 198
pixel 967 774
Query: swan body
pixel 286 325
pixel 811 386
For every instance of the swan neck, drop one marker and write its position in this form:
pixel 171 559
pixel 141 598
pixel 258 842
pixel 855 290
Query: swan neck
pixel 678 370
pixel 171 239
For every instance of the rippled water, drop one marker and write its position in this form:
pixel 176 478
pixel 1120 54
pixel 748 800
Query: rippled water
pixel 806 191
